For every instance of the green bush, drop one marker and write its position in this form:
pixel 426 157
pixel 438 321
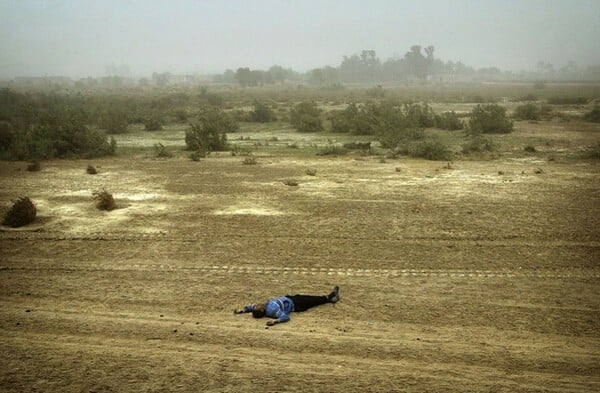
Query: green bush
pixel 104 200
pixel 306 117
pixel 214 99
pixel 209 131
pixel 527 112
pixel 593 115
pixel 22 212
pixel 262 113
pixel 332 150
pixel 154 122
pixel 114 122
pixel 449 121
pixel 433 150
pixel 353 120
pixel 489 119
pixel 420 114
pixel 61 135
pixel 478 144
pixel 6 135
pixel 161 151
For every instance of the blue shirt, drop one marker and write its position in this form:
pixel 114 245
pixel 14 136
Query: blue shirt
pixel 277 308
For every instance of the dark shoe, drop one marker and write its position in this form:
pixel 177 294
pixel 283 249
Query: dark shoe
pixel 334 296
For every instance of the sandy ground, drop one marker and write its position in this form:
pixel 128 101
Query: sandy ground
pixel 458 279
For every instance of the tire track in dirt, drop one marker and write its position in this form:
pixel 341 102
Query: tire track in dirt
pixel 324 271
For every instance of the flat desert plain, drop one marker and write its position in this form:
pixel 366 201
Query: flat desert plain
pixel 470 276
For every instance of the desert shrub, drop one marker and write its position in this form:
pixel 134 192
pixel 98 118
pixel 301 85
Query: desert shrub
pixel 419 114
pixel 209 131
pixel 306 117
pixel 311 171
pixel 241 116
pixel 114 121
pixel 478 144
pixel 565 100
pixel 546 111
pixel 489 119
pixel 448 121
pixel 237 150
pixel 332 150
pixel 393 125
pixel 91 170
pixel 181 115
pixel 593 151
pixel 214 99
pixel 433 150
pixel 22 212
pixel 527 112
pixel 197 155
pixel 376 92
pixel 161 151
pixel 104 200
pixel 593 115
pixel 59 137
pixel 262 113
pixel 290 182
pixel 249 161
pixel 353 120
pixel 6 135
pixel 154 122
pixel 34 166
pixel 357 145
pixel 529 149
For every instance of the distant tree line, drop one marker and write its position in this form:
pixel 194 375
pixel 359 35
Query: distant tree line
pixel 417 64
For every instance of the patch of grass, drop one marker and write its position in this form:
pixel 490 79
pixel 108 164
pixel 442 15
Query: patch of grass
pixel 22 212
pixel 311 171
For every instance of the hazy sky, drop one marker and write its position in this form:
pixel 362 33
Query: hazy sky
pixel 80 37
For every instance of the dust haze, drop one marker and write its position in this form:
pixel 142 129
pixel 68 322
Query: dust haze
pixel 90 38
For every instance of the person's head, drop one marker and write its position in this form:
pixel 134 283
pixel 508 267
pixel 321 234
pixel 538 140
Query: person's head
pixel 258 311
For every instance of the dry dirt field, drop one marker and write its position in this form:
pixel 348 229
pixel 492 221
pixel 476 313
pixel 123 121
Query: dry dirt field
pixel 483 276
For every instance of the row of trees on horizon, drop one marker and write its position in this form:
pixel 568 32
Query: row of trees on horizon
pixel 417 65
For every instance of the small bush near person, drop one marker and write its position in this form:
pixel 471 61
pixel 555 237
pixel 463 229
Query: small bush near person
pixel 104 200
pixel 22 212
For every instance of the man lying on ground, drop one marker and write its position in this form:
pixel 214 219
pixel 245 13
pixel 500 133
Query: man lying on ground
pixel 279 308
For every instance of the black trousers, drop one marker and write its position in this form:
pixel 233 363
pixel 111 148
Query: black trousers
pixel 304 302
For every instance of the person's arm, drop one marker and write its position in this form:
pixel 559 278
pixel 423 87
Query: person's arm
pixel 281 318
pixel 246 309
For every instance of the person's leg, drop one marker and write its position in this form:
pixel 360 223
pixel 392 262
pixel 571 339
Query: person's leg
pixel 304 302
